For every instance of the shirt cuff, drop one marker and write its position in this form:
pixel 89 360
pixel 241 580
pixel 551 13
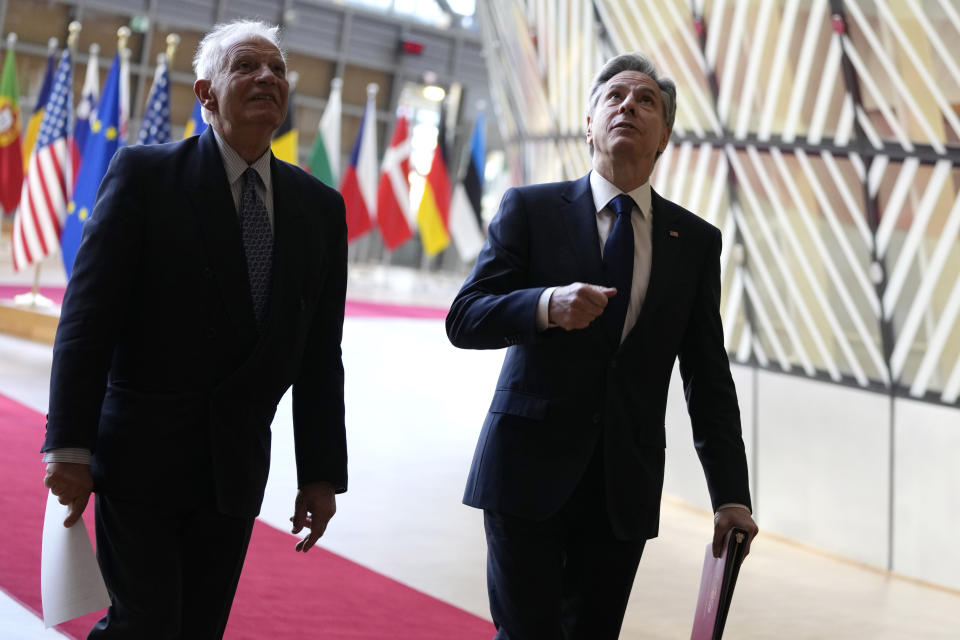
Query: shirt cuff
pixel 68 454
pixel 543 309
pixel 736 505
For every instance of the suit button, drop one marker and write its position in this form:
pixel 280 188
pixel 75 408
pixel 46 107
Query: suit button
pixel 211 332
pixel 207 273
pixel 596 418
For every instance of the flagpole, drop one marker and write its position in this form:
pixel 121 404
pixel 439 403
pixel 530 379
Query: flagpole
pixel 33 298
pixel 123 34
pixel 74 30
pixel 173 41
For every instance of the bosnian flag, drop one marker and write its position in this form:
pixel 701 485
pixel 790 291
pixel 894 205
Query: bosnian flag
pixel 393 192
pixel 359 185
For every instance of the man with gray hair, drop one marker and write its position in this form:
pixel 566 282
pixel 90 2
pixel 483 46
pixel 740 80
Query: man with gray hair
pixel 210 279
pixel 596 287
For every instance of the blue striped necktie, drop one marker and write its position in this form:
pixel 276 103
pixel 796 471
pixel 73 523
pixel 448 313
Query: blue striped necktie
pixel 257 244
pixel 618 265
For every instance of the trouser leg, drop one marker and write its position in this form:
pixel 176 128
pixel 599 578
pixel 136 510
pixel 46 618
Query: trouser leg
pixel 171 573
pixel 524 568
pixel 567 577
pixel 214 547
pixel 138 549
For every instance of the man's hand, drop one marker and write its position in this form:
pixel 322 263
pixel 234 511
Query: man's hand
pixel 577 305
pixel 71 483
pixel 315 505
pixel 733 517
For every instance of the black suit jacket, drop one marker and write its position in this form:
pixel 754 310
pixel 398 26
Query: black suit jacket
pixel 559 391
pixel 159 368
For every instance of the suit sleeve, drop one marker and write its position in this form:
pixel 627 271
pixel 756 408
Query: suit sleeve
pixel 710 392
pixel 91 315
pixel 318 409
pixel 497 307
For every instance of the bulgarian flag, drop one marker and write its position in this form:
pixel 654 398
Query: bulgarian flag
pixel 359 186
pixel 324 160
pixel 11 160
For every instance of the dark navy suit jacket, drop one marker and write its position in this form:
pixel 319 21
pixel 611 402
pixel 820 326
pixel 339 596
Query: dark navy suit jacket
pixel 563 393
pixel 159 367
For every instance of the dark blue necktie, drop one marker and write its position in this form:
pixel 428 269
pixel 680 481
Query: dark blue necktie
pixel 257 244
pixel 618 265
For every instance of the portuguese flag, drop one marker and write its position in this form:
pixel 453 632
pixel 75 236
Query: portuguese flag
pixel 11 160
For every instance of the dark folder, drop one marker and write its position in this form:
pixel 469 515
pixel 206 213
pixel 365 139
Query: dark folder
pixel 716 586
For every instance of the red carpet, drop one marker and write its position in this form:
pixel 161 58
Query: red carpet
pixel 281 595
pixel 354 308
pixel 8 291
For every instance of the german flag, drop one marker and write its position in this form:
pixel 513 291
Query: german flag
pixel 433 214
pixel 285 139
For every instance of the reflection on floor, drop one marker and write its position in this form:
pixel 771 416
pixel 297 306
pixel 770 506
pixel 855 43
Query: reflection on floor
pixel 414 407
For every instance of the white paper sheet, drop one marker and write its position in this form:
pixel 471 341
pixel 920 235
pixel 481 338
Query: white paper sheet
pixel 70 582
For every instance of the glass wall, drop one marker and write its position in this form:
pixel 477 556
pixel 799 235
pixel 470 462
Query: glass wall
pixel 820 137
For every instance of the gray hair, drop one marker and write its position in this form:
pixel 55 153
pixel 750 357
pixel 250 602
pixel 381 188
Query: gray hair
pixel 211 60
pixel 640 63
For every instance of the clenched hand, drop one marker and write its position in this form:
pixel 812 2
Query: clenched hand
pixel 732 518
pixel 576 305
pixel 72 483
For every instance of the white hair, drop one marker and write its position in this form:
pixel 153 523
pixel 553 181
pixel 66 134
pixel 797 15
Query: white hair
pixel 211 59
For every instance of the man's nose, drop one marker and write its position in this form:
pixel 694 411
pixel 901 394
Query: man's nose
pixel 265 73
pixel 628 105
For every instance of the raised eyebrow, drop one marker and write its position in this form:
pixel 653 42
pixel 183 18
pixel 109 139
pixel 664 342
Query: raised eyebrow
pixel 648 91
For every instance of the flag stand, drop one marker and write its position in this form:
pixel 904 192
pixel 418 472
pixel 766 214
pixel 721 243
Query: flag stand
pixel 33 298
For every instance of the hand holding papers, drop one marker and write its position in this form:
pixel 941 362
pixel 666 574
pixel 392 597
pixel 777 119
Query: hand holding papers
pixel 70 580
pixel 716 586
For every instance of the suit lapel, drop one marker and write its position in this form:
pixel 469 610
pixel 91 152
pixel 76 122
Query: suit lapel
pixel 665 247
pixel 290 241
pixel 580 219
pixel 220 229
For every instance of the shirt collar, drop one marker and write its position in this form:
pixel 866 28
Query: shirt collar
pixel 604 191
pixel 235 165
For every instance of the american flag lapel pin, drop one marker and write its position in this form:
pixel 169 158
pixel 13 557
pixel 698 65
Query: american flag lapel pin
pixel 674 234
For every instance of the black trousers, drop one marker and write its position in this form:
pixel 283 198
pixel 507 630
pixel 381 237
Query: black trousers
pixel 171 572
pixel 567 577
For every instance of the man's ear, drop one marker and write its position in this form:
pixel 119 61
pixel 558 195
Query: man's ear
pixel 664 139
pixel 589 131
pixel 204 92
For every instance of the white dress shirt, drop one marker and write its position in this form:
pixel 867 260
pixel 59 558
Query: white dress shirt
pixel 641 218
pixel 235 165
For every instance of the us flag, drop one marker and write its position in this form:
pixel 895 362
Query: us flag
pixel 50 174
pixel 156 121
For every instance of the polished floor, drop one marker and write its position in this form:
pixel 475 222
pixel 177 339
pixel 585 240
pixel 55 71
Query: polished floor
pixel 414 407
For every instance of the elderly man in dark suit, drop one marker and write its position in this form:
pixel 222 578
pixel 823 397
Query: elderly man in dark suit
pixel 596 287
pixel 211 277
